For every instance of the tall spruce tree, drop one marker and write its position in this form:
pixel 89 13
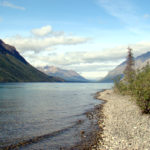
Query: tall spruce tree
pixel 129 72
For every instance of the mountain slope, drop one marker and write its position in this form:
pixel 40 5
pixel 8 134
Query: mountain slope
pixel 140 61
pixel 14 68
pixel 68 75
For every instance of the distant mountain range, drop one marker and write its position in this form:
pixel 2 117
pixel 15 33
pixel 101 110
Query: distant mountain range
pixel 67 75
pixel 140 62
pixel 14 68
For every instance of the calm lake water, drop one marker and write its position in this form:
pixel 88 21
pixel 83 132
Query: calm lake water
pixel 47 112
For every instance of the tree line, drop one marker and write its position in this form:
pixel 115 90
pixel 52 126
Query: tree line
pixel 135 83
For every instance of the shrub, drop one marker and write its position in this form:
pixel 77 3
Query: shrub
pixel 119 86
pixel 136 84
pixel 141 90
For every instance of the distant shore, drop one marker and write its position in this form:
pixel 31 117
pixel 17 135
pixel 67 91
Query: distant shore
pixel 124 126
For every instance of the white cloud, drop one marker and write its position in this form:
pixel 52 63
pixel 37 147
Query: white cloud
pixel 94 75
pixel 74 60
pixel 123 10
pixel 10 5
pixel 40 51
pixel 106 57
pixel 43 43
pixel 92 64
pixel 126 12
pixel 43 31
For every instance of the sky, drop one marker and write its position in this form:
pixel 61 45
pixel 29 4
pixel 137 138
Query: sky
pixel 88 36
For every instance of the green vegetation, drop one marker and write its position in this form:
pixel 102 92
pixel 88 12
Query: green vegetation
pixel 135 83
pixel 129 72
pixel 14 70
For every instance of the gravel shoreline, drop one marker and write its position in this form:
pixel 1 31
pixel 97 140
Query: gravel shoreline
pixel 124 126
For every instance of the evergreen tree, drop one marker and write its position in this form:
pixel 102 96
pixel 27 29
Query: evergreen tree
pixel 129 72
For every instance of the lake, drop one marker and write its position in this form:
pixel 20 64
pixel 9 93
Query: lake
pixel 45 114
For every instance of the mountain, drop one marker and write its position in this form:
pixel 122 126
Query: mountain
pixel 140 62
pixel 67 75
pixel 14 68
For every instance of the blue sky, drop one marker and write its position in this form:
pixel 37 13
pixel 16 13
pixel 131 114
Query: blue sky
pixel 88 36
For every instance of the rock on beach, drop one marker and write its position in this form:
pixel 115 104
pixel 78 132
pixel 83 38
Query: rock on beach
pixel 124 126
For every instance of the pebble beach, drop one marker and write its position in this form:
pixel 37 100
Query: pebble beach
pixel 124 126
